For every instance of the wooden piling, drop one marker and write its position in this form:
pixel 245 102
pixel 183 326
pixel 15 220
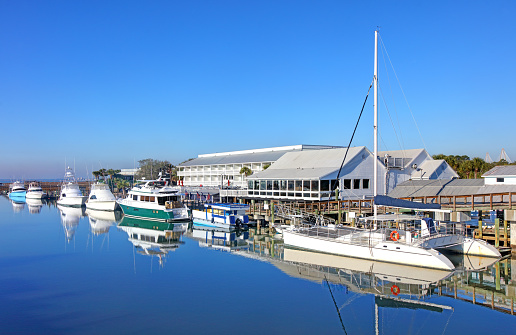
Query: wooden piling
pixel 497 233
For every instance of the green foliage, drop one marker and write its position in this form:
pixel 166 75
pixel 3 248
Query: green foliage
pixel 266 166
pixel 149 168
pixel 468 168
pixel 246 171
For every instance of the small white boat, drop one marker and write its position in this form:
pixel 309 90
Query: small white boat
pixel 101 198
pixel 221 216
pixel 35 191
pixel 17 190
pixel 70 194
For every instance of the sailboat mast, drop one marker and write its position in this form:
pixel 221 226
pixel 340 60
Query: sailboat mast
pixel 375 80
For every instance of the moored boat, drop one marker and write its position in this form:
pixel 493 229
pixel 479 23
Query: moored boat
pixel 70 194
pixel 101 198
pixel 17 190
pixel 221 215
pixel 155 200
pixel 35 191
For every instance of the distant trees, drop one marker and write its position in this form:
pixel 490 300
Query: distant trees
pixel 149 168
pixel 468 168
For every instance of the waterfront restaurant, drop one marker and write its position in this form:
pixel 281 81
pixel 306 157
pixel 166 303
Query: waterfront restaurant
pixel 223 169
pixel 313 175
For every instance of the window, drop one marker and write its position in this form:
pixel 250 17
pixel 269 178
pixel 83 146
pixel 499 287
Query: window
pixel 290 185
pixel 315 185
pixel 325 185
pixel 499 180
pixel 299 185
pixel 275 185
pixel 250 184
pixel 356 184
pixel 365 183
pixel 269 184
pixel 306 185
pixel 256 185
pixel 283 185
pixel 347 184
pixel 262 185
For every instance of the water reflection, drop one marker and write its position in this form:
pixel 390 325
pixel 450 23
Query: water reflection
pixel 34 205
pixel 18 204
pixel 70 217
pixel 153 238
pixel 101 221
pixel 224 239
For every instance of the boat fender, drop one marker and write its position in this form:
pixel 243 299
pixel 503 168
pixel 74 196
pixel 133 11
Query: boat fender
pixel 395 235
pixel 395 289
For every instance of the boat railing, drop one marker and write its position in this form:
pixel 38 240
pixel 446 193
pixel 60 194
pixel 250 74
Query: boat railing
pixel 298 216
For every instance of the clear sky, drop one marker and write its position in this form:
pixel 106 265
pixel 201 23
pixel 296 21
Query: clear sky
pixel 107 83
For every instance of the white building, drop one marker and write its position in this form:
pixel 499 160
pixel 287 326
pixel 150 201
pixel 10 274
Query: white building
pixel 312 175
pixel 223 169
pixel 501 175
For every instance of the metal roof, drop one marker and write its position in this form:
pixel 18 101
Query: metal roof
pixel 258 157
pixel 447 187
pixel 501 170
pixel 312 164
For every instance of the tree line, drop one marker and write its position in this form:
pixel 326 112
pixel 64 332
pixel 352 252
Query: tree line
pixel 468 168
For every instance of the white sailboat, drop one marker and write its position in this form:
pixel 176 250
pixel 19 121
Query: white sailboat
pixel 366 243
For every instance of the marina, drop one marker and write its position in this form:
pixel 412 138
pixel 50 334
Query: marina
pixel 224 265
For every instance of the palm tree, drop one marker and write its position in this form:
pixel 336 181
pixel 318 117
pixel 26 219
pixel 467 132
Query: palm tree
pixel 246 171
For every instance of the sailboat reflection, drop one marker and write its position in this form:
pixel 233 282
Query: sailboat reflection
pixel 70 217
pixel 34 205
pixel 224 239
pixel 153 238
pixel 101 221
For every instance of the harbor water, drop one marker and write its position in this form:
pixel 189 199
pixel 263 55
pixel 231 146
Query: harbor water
pixel 71 271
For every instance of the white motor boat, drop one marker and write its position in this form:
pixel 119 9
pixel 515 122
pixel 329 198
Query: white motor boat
pixel 35 191
pixel 17 190
pixel 101 198
pixel 70 194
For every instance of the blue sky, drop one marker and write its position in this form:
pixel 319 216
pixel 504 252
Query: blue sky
pixel 107 83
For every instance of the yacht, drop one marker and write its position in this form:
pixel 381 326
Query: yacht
pixel 155 200
pixel 101 198
pixel 35 191
pixel 70 194
pixel 17 190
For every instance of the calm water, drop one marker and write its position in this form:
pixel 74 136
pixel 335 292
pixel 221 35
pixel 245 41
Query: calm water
pixel 66 272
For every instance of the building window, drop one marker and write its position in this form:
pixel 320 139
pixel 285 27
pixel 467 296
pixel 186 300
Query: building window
pixel 290 185
pixel 250 184
pixel 325 185
pixel 283 185
pixel 356 184
pixel 262 185
pixel 275 185
pixel 365 184
pixel 299 185
pixel 315 185
pixel 306 185
pixel 347 184
pixel 269 185
pixel 499 180
pixel 256 185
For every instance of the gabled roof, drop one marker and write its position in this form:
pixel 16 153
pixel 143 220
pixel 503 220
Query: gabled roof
pixel 501 170
pixel 429 168
pixel 311 164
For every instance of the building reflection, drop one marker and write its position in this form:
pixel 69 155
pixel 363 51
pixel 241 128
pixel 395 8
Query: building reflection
pixel 151 238
pixel 70 217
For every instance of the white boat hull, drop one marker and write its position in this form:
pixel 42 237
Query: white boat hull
pixel 384 251
pixel 72 201
pixel 461 244
pixel 35 195
pixel 101 205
